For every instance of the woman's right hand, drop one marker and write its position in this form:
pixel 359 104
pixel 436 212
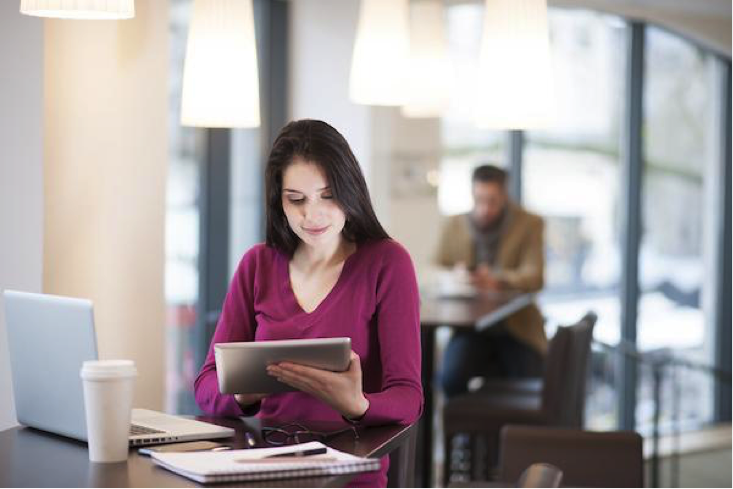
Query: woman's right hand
pixel 246 400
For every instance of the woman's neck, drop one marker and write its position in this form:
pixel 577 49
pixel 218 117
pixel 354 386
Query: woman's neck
pixel 312 258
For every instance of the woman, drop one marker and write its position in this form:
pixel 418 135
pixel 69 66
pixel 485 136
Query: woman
pixel 328 269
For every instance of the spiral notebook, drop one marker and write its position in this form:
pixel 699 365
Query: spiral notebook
pixel 251 464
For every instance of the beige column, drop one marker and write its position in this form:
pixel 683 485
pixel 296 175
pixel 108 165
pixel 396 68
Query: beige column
pixel 105 161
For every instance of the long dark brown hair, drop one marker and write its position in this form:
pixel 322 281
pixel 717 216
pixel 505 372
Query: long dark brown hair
pixel 318 143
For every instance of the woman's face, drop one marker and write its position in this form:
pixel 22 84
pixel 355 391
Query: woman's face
pixel 312 213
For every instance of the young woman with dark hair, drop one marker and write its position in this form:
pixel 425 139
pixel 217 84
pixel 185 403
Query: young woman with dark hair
pixel 327 269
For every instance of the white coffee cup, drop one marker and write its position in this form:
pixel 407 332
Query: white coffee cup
pixel 108 392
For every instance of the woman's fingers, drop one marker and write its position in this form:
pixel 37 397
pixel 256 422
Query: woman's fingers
pixel 300 378
pixel 338 389
pixel 355 364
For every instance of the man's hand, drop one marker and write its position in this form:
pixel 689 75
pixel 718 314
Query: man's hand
pixel 483 279
pixel 340 390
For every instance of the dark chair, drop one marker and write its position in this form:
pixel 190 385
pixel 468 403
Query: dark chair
pixel 540 475
pixel 586 458
pixel 480 415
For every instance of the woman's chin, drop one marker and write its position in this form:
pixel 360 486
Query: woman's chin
pixel 316 239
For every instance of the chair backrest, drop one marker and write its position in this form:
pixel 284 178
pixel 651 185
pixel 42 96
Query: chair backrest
pixel 566 371
pixel 540 475
pixel 554 381
pixel 581 352
pixel 586 459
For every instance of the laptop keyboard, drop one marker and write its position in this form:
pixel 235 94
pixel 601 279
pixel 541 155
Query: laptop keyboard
pixel 142 430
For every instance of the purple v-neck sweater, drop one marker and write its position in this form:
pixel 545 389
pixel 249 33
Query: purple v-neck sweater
pixel 375 302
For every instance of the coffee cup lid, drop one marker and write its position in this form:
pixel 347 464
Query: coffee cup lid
pixel 108 369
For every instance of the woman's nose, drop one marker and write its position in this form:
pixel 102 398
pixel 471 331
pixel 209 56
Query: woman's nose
pixel 312 210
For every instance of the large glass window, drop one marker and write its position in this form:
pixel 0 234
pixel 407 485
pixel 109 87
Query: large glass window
pixel 186 147
pixel 246 221
pixel 571 177
pixel 676 230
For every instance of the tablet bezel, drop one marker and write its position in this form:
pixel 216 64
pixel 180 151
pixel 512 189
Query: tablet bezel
pixel 242 366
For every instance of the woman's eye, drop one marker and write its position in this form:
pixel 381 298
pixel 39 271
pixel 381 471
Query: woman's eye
pixel 327 196
pixel 296 201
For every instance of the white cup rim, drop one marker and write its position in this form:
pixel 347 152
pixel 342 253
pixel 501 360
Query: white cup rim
pixel 107 369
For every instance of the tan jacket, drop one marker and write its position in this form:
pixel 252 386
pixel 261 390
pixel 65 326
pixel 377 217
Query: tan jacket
pixel 520 263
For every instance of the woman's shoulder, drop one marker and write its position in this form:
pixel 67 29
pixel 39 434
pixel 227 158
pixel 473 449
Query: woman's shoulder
pixel 260 254
pixel 386 251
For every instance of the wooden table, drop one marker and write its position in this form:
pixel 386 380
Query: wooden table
pixel 32 458
pixel 480 312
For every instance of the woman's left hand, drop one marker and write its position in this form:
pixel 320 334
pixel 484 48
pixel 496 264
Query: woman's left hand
pixel 340 390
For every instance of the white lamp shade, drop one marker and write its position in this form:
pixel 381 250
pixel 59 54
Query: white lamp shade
pixel 79 9
pixel 429 69
pixel 381 50
pixel 515 84
pixel 220 79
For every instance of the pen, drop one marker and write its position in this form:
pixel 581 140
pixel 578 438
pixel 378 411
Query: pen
pixel 250 440
pixel 280 460
pixel 300 453
pixel 220 449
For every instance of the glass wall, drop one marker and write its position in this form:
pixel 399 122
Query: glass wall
pixel 246 220
pixel 678 146
pixel 186 149
pixel 571 177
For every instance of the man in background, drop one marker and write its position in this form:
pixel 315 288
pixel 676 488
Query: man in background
pixel 501 246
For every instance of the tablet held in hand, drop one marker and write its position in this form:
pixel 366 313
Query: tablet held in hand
pixel 242 367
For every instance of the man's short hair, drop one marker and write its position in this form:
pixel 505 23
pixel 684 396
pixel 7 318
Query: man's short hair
pixel 489 174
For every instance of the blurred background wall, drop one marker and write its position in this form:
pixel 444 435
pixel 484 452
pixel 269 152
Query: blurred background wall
pixel 105 140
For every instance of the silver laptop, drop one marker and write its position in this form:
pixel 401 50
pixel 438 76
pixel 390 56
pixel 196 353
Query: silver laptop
pixel 49 337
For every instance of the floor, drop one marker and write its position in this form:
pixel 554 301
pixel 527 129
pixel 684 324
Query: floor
pixel 705 459
pixel 703 469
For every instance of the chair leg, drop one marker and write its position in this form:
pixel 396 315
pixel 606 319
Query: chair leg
pixel 478 457
pixel 447 458
pixel 457 458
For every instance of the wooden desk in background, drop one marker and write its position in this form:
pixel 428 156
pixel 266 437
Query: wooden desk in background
pixel 32 458
pixel 480 312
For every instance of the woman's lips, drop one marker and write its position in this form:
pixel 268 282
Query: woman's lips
pixel 315 231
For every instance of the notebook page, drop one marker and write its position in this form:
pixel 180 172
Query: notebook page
pixel 242 464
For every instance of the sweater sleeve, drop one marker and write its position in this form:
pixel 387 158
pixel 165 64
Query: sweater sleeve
pixel 398 326
pixel 236 323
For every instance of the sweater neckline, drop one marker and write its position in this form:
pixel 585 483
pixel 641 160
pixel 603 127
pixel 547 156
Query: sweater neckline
pixel 289 293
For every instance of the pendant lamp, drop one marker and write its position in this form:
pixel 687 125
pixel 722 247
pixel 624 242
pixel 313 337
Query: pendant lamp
pixel 79 9
pixel 220 78
pixel 515 85
pixel 381 50
pixel 429 69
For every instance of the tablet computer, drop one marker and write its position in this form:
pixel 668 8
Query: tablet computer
pixel 242 367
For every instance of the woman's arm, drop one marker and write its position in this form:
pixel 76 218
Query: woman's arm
pixel 236 323
pixel 398 327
